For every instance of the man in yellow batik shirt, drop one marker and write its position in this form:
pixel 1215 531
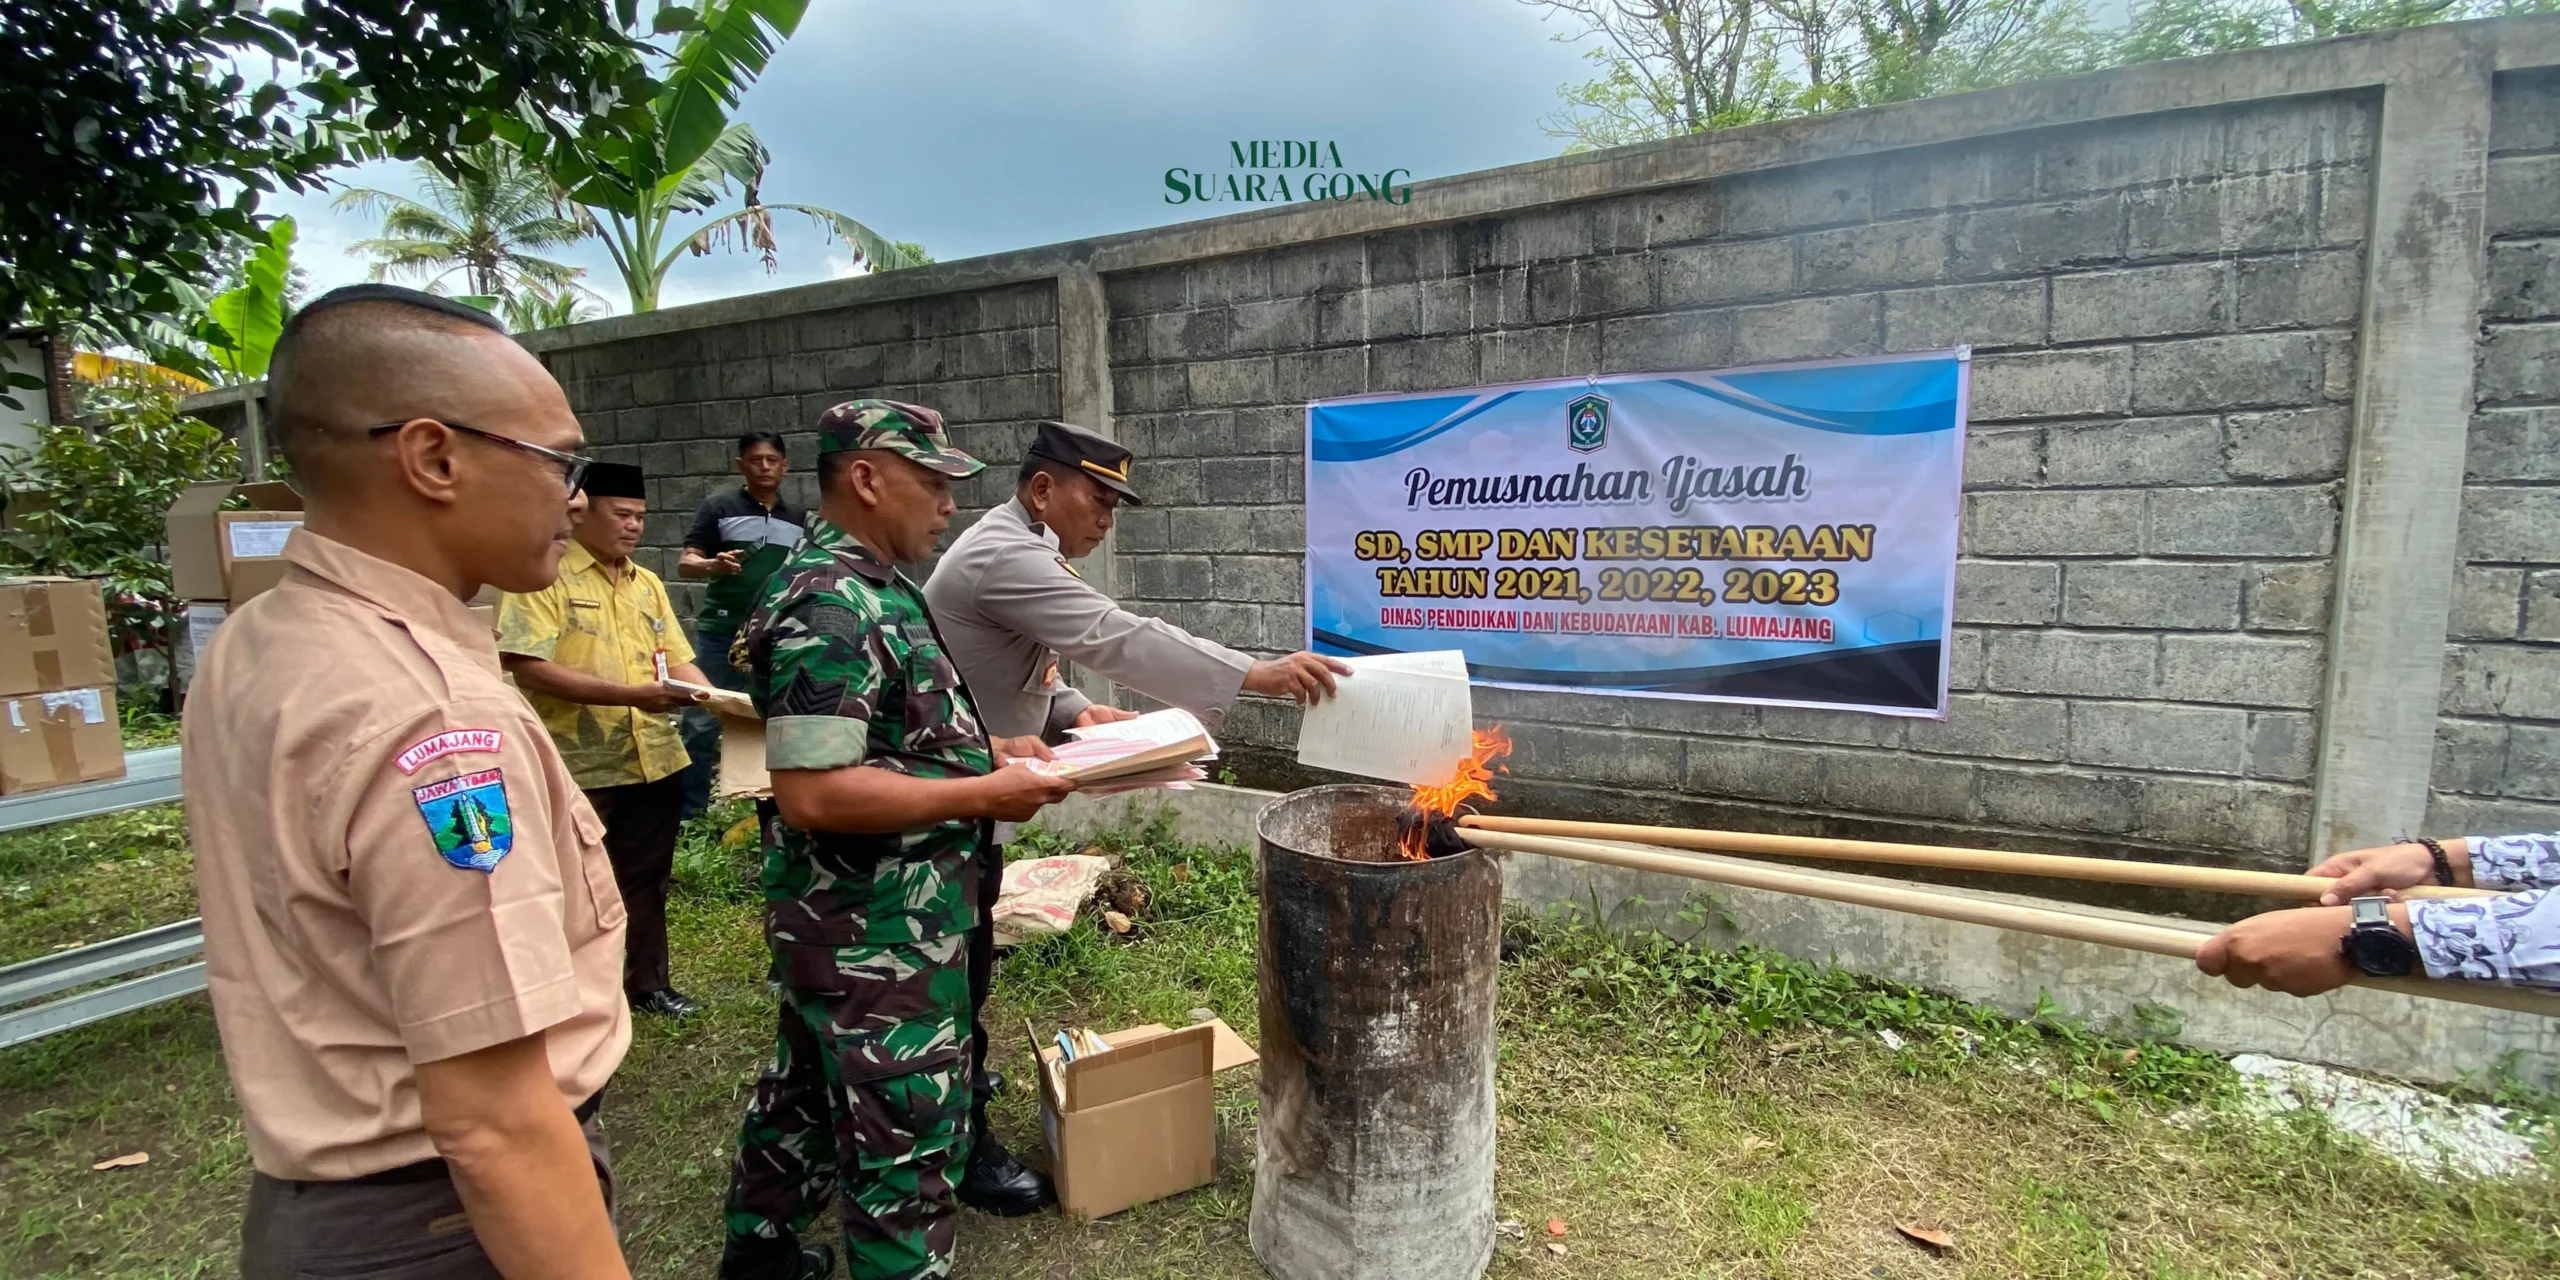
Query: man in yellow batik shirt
pixel 593 654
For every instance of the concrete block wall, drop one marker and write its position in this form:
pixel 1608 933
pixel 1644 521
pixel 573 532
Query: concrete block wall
pixel 675 403
pixel 2163 316
pixel 2224 318
pixel 2497 757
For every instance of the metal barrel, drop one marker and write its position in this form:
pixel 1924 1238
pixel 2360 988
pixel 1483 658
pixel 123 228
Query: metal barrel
pixel 1377 978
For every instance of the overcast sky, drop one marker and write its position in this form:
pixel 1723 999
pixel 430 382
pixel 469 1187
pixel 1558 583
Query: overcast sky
pixel 975 126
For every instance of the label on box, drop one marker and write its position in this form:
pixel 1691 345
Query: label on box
pixel 16 721
pixel 260 537
pixel 201 620
pixel 93 709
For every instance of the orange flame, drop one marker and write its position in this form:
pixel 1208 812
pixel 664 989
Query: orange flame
pixel 1472 781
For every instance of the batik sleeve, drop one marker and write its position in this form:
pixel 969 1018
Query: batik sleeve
pixel 2515 862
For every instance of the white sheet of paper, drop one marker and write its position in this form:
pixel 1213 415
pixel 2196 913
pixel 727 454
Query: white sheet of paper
pixel 1156 729
pixel 201 621
pixel 1404 717
pixel 260 537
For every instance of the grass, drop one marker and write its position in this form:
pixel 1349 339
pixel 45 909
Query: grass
pixel 90 881
pixel 1683 1113
pixel 145 727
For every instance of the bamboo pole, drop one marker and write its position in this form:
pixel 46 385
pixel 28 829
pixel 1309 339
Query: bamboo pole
pixel 2165 875
pixel 2156 939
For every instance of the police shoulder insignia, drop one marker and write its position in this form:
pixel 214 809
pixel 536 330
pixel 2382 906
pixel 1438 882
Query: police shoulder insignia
pixel 467 817
pixel 449 742
pixel 1071 569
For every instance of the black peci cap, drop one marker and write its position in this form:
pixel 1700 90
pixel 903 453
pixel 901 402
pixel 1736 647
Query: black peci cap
pixel 615 480
pixel 1075 447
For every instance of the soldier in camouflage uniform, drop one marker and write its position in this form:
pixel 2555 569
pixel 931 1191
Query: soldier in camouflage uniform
pixel 885 793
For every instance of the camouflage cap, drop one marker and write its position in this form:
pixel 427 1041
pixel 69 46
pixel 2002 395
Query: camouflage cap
pixel 909 430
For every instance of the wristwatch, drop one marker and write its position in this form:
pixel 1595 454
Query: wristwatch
pixel 2374 944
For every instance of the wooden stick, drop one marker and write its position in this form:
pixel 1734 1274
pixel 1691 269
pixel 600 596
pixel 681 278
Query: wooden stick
pixel 2156 939
pixel 2166 875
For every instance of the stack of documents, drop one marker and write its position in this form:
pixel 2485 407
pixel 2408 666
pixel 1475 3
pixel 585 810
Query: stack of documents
pixel 1403 717
pixel 1159 749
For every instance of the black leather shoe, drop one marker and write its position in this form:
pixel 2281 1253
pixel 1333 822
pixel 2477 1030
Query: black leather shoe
pixel 752 1259
pixel 666 1002
pixel 999 1184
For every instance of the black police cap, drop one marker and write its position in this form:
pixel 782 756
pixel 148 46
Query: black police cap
pixel 1082 450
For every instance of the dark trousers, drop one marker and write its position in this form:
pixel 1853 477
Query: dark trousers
pixel 640 824
pixel 405 1225
pixel 702 727
pixel 982 981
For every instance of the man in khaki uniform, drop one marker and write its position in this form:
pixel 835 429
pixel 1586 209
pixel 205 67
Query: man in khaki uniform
pixel 412 938
pixel 1010 605
pixel 593 653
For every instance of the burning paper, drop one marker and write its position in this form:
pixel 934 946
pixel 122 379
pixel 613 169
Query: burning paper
pixel 1434 809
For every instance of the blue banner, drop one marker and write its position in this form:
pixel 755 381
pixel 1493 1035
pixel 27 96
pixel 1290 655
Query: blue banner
pixel 1781 534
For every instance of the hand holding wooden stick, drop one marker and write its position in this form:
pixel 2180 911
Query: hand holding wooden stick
pixel 2052 923
pixel 2164 875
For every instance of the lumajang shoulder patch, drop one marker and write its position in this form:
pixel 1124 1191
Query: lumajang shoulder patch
pixel 450 742
pixel 468 819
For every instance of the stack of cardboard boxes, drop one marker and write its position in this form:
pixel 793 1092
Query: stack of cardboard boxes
pixel 58 686
pixel 219 559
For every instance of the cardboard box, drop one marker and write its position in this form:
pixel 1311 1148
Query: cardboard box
pixel 230 555
pixel 1135 1124
pixel 53 635
pixel 56 739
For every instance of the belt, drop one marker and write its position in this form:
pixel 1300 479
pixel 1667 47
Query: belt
pixel 432 1169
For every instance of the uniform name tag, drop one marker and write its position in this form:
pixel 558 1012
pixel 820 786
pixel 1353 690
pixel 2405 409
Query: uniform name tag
pixel 468 819
pixel 449 742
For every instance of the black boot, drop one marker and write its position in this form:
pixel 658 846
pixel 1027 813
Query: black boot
pixel 996 1182
pixel 755 1258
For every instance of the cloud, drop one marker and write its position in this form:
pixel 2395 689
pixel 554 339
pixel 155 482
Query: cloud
pixel 977 126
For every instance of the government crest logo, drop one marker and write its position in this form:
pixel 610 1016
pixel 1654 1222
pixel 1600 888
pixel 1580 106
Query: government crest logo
pixel 468 819
pixel 1587 423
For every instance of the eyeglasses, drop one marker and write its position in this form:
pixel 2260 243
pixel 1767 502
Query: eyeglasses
pixel 573 466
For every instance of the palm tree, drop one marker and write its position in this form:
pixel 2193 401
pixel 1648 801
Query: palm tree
pixel 488 224
pixel 685 163
pixel 636 233
pixel 535 308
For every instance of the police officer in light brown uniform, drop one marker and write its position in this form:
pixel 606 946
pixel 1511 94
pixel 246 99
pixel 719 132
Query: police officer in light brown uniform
pixel 1010 605
pixel 412 938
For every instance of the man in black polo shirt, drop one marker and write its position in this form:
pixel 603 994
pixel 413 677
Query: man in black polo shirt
pixel 738 539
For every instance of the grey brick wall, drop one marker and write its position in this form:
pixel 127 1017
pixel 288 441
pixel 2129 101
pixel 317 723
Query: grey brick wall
pixel 675 404
pixel 2497 761
pixel 2163 313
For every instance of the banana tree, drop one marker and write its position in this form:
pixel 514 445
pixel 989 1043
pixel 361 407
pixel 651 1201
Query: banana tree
pixel 635 191
pixel 241 326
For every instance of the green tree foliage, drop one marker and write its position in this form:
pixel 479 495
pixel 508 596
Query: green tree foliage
pixel 242 324
pixel 2185 28
pixel 684 161
pixel 143 132
pixel 91 501
pixel 535 308
pixel 1671 67
pixel 489 225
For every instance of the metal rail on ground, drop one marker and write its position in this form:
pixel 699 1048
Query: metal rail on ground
pixel 151 778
